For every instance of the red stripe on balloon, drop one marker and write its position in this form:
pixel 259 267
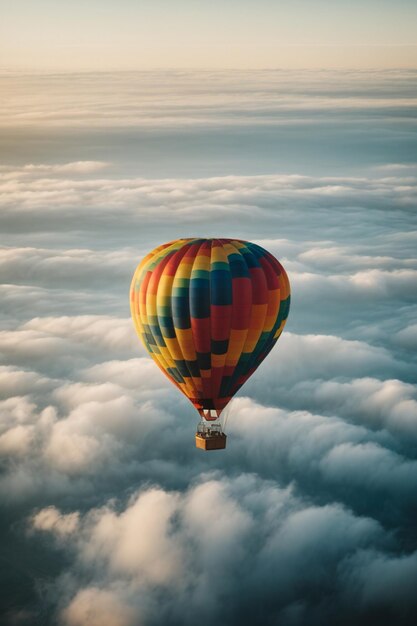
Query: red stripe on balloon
pixel 270 274
pixel 221 315
pixel 175 260
pixel 201 334
pixel 259 286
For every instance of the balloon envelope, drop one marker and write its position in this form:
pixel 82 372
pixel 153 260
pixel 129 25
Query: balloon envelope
pixel 209 311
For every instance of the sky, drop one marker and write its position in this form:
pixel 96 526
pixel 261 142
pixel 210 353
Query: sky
pixel 138 34
pixel 123 127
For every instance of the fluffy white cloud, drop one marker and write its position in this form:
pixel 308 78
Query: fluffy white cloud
pixel 389 404
pixel 52 520
pixel 16 382
pixel 159 99
pixel 138 374
pixel 118 205
pixel 101 428
pixel 68 429
pixel 16 440
pixel 182 544
pixel 65 169
pixel 407 337
pixel 59 343
pixel 99 607
pixel 24 302
pixel 138 542
pixel 334 258
pixel 366 284
pixel 300 358
pixel 326 451
pixel 115 413
pixel 66 268
pixel 116 333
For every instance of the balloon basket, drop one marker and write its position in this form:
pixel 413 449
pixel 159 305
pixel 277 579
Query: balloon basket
pixel 210 437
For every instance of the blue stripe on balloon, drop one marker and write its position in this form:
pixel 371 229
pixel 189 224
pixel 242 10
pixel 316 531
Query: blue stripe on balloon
pixel 220 287
pixel 199 298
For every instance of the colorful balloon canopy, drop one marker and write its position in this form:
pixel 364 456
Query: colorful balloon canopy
pixel 209 311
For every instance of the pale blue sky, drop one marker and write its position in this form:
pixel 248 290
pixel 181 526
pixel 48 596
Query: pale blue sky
pixel 191 33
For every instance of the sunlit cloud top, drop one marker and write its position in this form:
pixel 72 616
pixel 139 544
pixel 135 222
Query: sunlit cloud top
pixel 196 34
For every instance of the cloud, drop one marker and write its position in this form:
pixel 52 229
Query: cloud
pixel 299 358
pixel 51 520
pixel 324 455
pixel 66 268
pixel 139 541
pixel 104 426
pixel 50 204
pixel 16 382
pixel 63 429
pixel 98 607
pixel 389 404
pixel 407 337
pixel 159 99
pixel 138 374
pixel 384 581
pixel 76 167
pixel 101 417
pixel 66 342
pixel 343 259
pixel 396 166
pixel 23 302
pixel 175 544
pixel 371 466
pixel 371 284
pixel 16 440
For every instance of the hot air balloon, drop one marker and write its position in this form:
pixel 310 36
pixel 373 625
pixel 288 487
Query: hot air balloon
pixel 209 311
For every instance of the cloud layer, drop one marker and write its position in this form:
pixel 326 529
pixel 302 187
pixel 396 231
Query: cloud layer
pixel 110 516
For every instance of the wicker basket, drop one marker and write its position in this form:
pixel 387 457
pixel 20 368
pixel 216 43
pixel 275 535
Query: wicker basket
pixel 210 441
